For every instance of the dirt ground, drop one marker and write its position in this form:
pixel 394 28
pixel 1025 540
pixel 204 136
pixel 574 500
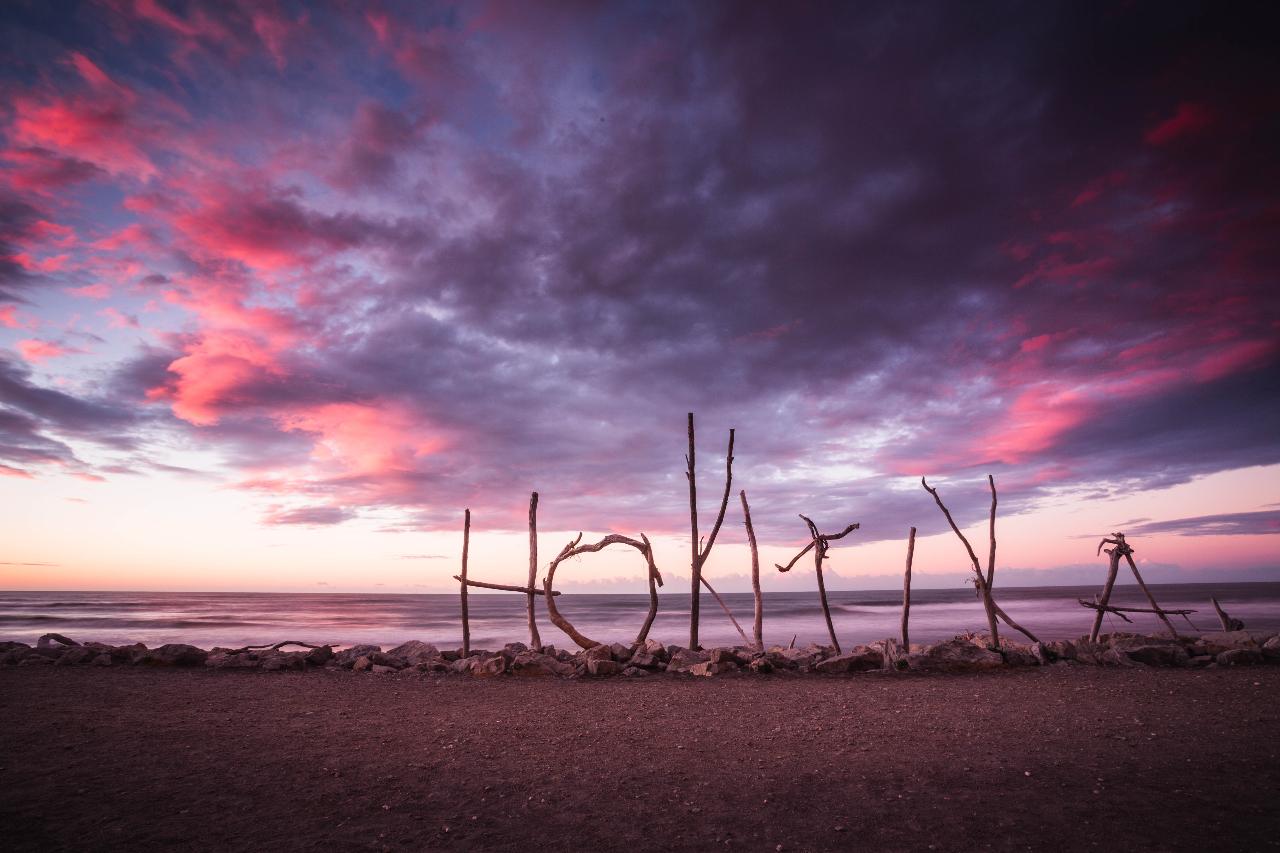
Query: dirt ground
pixel 1035 759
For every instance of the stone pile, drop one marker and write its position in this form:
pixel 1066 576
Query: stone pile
pixel 966 653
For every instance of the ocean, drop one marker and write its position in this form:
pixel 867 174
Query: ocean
pixel 234 619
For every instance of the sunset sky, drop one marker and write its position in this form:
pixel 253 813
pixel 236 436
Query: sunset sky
pixel 284 287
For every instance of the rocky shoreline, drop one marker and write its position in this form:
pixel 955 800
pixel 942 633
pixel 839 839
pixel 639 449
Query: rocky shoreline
pixel 965 653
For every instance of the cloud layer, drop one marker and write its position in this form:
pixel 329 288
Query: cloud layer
pixel 400 259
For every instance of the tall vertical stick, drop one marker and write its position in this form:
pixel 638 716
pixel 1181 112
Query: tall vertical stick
pixel 991 557
pixel 1112 570
pixel 466 621
pixel 820 553
pixel 906 588
pixel 758 626
pixel 695 563
pixel 535 641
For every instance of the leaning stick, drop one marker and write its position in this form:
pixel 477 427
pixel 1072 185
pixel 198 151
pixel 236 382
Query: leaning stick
pixel 504 587
pixel 991 558
pixel 1008 620
pixel 980 582
pixel 466 622
pixel 535 641
pixel 1119 611
pixel 1222 614
pixel 758 623
pixel 906 588
pixel 1113 569
pixel 271 647
pixel 727 611
pixel 1128 555
pixel 820 552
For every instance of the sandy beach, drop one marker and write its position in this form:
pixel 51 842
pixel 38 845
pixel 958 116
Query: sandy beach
pixel 1052 758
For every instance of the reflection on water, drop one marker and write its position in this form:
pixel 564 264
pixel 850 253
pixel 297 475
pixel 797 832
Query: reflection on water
pixel 237 619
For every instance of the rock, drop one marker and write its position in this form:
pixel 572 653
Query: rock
pixel 172 654
pixel 279 661
pixel 600 652
pixel 1271 648
pixel 1041 653
pixel 683 659
pixel 839 663
pixel 634 672
pixel 388 660
pixel 535 665
pixel 101 660
pixel 463 666
pixel 416 651
pixel 1200 661
pixel 656 649
pixel 489 667
pixel 602 668
pixel 379 669
pixel 621 653
pixel 77 655
pixel 362 663
pixel 319 656
pixel 1220 641
pixel 1239 657
pixel 722 655
pixel 707 668
pixel 511 650
pixel 347 657
pixel 14 656
pixel 801 659
pixel 1061 649
pixel 48 641
pixel 645 661
pixel 760 664
pixel 126 654
pixel 958 655
pixel 1116 657
pixel 36 660
pixel 1016 654
pixel 1150 651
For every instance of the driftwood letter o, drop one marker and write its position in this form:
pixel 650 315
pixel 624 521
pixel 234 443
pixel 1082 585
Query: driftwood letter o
pixel 573 549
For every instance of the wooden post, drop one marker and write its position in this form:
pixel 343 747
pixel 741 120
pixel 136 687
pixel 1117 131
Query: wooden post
pixel 820 553
pixel 655 581
pixel 1128 555
pixel 758 625
pixel 980 580
pixel 906 588
pixel 535 641
pixel 1112 570
pixel 466 622
pixel 695 564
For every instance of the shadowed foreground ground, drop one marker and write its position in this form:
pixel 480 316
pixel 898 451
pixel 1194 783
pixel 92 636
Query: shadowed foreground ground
pixel 1078 758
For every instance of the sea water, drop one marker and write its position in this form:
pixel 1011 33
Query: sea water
pixel 234 619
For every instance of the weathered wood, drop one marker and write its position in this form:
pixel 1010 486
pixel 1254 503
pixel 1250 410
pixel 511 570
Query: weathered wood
pixel 1120 611
pixel 655 581
pixel 980 582
pixel 504 587
pixel 271 647
pixel 830 537
pixel 758 622
pixel 1128 555
pixel 574 549
pixel 695 564
pixel 727 611
pixel 466 619
pixel 1228 623
pixel 701 551
pixel 535 641
pixel 819 554
pixel 991 557
pixel 1008 620
pixel 1113 568
pixel 906 588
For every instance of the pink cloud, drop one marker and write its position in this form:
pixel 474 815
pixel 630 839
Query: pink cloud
pixel 36 351
pixel 91 291
pixel 119 320
pixel 10 471
pixel 1187 120
pixel 9 316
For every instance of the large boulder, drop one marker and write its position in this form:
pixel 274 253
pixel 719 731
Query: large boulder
pixel 320 655
pixel 857 659
pixel 600 652
pixel 416 651
pixel 172 654
pixel 489 667
pixel 603 667
pixel 683 659
pixel 348 656
pixel 725 655
pixel 77 655
pixel 231 660
pixel 645 660
pixel 278 661
pixel 708 668
pixel 535 665
pixel 655 648
pixel 958 655
pixel 1271 649
pixel 1218 642
pixel 1239 657
pixel 1061 649
pixel 1150 651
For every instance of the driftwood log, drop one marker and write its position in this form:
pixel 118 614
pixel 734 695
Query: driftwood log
pixel 757 626
pixel 271 647
pixel 906 588
pixel 819 543
pixel 701 551
pixel 466 619
pixel 1123 550
pixel 1121 611
pixel 1228 623
pixel 573 549
pixel 504 587
pixel 983 582
pixel 535 641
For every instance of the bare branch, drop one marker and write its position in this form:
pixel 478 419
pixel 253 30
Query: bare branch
pixel 724 501
pixel 504 587
pixel 535 640
pixel 573 549
pixel 991 559
pixel 758 623
pixel 466 620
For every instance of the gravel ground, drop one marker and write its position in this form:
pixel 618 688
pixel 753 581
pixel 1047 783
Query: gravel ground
pixel 1056 758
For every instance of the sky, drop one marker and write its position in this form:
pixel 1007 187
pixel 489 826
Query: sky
pixel 284 287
